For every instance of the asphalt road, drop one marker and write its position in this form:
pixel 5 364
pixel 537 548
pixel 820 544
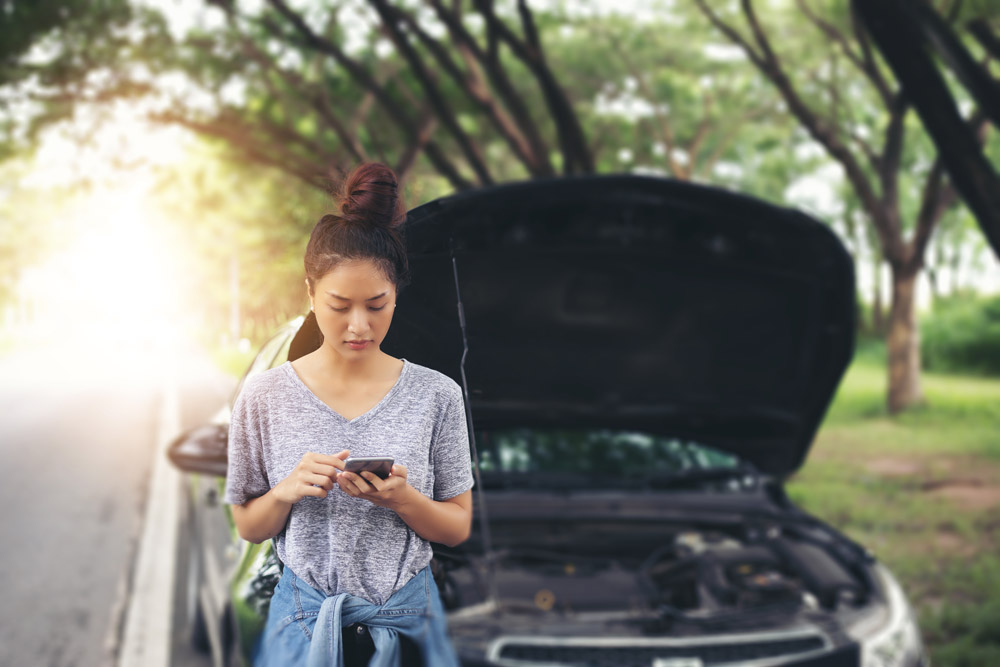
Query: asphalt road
pixel 77 436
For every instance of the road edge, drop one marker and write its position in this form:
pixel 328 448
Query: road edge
pixel 148 610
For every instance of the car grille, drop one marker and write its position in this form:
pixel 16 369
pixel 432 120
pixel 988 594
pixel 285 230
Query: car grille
pixel 644 656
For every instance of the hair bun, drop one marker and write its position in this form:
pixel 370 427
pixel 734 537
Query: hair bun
pixel 370 195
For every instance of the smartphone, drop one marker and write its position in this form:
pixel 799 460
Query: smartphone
pixel 380 465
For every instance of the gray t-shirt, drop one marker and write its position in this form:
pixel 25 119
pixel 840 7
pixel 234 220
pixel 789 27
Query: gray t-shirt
pixel 340 543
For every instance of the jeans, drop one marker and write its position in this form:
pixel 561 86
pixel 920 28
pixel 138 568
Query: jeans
pixel 304 625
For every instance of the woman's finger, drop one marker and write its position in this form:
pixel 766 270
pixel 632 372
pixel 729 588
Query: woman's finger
pixel 356 484
pixel 374 480
pixel 399 470
pixel 310 490
pixel 340 457
pixel 315 479
pixel 347 486
pixel 360 482
pixel 321 469
pixel 326 459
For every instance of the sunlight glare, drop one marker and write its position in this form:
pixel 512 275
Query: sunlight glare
pixel 113 283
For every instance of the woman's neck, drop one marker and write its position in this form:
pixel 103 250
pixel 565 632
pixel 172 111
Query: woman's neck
pixel 335 367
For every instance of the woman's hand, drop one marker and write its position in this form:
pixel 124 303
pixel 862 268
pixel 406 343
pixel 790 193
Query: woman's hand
pixel 314 476
pixel 391 492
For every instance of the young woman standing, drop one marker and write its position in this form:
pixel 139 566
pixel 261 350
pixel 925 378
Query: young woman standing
pixel 355 548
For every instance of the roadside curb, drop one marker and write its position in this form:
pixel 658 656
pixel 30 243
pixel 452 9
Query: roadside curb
pixel 146 639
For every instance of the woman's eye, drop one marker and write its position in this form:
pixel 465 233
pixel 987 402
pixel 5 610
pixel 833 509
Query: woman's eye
pixel 344 309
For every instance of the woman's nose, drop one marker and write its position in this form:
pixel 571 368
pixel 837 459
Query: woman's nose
pixel 358 322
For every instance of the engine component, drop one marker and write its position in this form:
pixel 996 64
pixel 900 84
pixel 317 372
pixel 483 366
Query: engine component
pixel 826 578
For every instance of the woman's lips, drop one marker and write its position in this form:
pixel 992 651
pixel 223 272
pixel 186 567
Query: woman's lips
pixel 358 345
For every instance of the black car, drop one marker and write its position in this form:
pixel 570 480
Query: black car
pixel 645 362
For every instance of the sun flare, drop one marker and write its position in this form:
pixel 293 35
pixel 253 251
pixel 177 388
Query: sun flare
pixel 117 278
pixel 114 283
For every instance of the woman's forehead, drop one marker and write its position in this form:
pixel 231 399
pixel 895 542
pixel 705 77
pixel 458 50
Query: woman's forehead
pixel 356 279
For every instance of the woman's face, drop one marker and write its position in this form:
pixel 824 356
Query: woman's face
pixel 354 302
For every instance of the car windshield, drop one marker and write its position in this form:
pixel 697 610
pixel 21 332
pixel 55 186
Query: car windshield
pixel 570 459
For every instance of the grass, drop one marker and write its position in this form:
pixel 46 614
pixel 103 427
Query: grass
pixel 921 490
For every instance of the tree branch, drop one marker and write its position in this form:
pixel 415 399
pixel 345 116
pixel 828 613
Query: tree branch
pixel 732 129
pixel 320 103
pixel 873 158
pixel 862 60
pixel 530 31
pixel 868 55
pixel 360 75
pixel 700 134
pixel 892 151
pixel 238 137
pixel 899 32
pixel 576 154
pixel 934 201
pixel 734 36
pixel 391 19
pixel 427 125
pixel 501 83
pixel 472 84
pixel 770 66
pixel 662 125
pixel 980 29
pixel 938 196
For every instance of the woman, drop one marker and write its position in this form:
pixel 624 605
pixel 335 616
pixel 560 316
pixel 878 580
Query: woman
pixel 355 548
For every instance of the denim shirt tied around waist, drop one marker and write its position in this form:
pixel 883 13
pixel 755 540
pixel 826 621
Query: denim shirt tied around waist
pixel 304 624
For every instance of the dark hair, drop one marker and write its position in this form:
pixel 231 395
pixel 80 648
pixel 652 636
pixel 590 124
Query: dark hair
pixel 369 226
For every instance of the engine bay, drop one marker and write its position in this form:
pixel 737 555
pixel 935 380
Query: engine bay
pixel 678 579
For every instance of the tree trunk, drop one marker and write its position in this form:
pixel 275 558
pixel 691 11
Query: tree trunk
pixel 932 278
pixel 878 321
pixel 903 343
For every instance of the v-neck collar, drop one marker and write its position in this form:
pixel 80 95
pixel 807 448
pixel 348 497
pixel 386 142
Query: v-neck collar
pixel 360 419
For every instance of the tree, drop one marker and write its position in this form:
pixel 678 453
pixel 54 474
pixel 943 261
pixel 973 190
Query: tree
pixel 905 31
pixel 47 48
pixel 844 113
pixel 474 93
pixel 466 94
pixel 313 101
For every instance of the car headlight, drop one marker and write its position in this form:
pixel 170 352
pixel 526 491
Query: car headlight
pixel 893 638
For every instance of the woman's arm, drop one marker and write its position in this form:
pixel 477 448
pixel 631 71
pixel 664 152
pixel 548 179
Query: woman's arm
pixel 447 522
pixel 263 517
pixel 444 521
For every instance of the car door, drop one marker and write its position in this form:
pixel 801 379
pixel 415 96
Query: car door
pixel 215 551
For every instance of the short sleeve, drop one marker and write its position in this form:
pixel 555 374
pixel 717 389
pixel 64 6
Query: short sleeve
pixel 450 450
pixel 246 477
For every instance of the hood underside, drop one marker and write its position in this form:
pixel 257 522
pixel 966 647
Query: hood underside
pixel 636 303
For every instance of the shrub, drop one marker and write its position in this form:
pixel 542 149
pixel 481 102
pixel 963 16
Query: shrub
pixel 962 334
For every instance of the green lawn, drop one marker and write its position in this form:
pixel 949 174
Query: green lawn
pixel 921 490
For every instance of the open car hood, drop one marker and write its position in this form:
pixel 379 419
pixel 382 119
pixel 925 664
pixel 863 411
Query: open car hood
pixel 633 302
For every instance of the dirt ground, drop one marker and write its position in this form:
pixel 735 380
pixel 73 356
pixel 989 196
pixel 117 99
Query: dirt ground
pixel 970 484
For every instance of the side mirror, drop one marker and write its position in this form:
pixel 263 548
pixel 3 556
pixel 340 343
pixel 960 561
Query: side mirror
pixel 202 449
